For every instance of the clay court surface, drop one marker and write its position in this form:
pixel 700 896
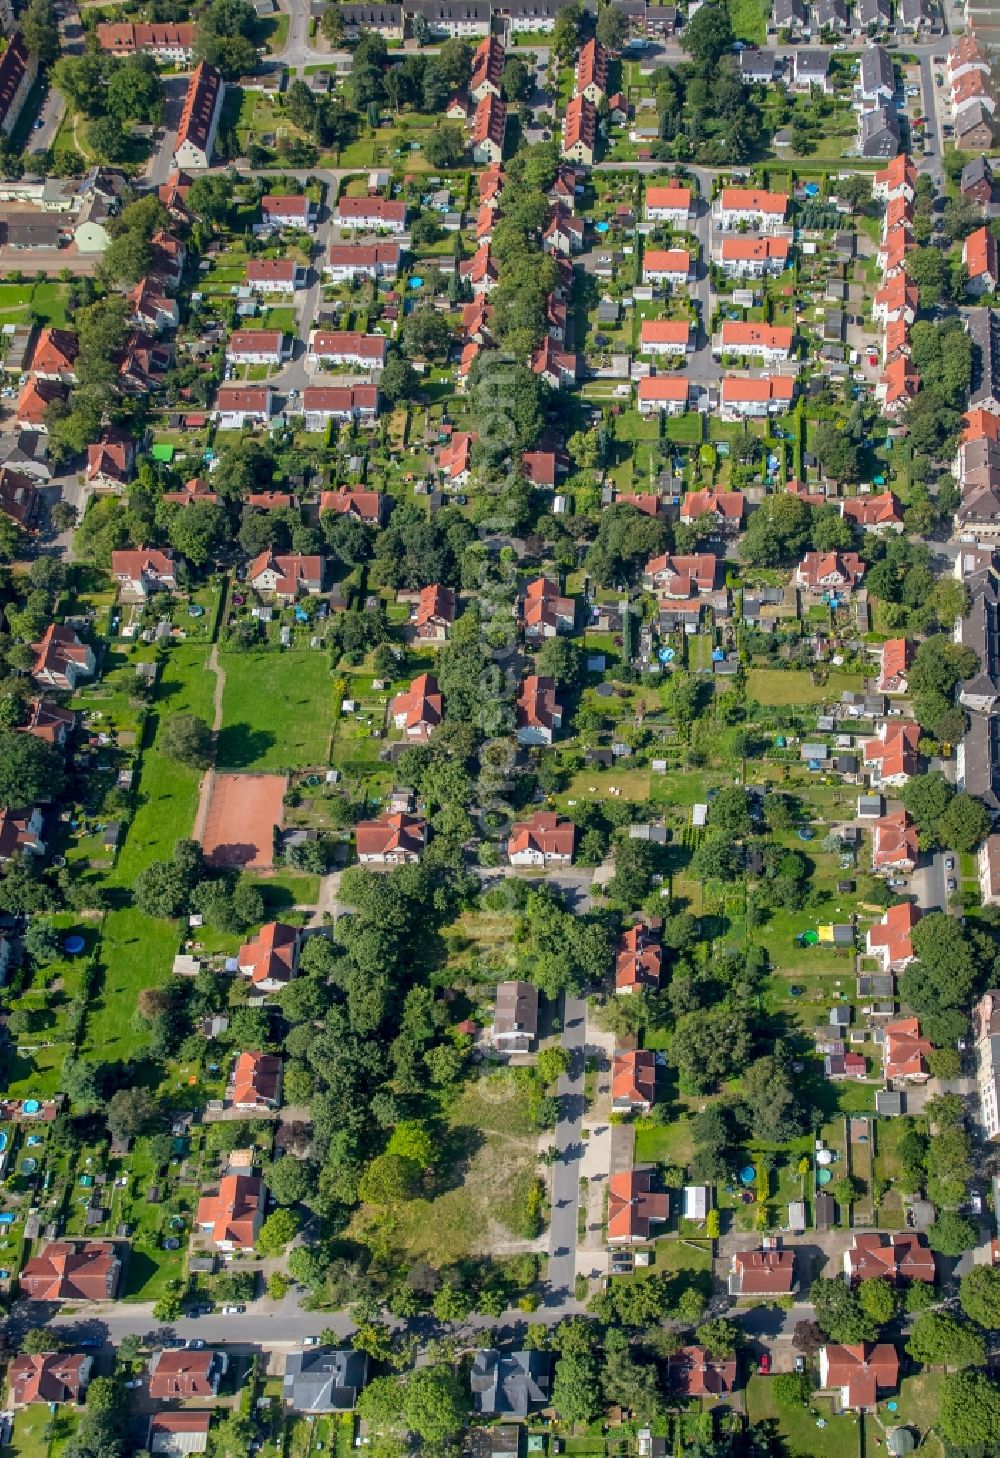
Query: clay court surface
pixel 242 813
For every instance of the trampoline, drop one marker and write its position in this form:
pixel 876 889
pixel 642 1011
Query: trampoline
pixel 747 1175
pixel 195 610
pixel 810 938
pixel 825 1156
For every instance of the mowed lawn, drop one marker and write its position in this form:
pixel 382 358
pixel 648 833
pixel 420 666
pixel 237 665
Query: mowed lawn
pixel 277 711
pixel 838 1439
pixel 137 951
pixel 775 686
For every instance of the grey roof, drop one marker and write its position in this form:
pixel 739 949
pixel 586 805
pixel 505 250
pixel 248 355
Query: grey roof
pixel 786 11
pixel 758 63
pixel 879 133
pixel 985 386
pixel 913 12
pixel 33 233
pixel 372 17
pixel 510 1383
pixel 444 12
pixel 976 171
pixel 324 1381
pixel 981 760
pixel 810 61
pixel 980 631
pixel 971 116
pixel 833 13
pixel 877 74
pixel 888 1103
pixel 873 12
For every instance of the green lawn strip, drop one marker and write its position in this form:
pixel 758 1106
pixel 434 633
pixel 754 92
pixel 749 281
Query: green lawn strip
pixel 278 710
pixel 775 686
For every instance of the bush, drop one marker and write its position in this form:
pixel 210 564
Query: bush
pixel 791 1389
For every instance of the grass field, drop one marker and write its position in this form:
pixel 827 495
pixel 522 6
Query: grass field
pixel 136 951
pixel 838 1439
pixel 670 1144
pixel 277 710
pixel 484 1178
pixel 776 687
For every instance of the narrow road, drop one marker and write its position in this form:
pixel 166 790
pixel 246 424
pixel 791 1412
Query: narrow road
pixel 569 1148
pixel 208 779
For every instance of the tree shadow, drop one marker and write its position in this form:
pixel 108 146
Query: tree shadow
pixel 240 745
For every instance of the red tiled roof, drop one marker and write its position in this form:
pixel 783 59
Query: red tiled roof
pixel 390 835
pixel 199 107
pixel 235 1212
pixel 65 1270
pixel 754 200
pixel 272 954
pixel 544 831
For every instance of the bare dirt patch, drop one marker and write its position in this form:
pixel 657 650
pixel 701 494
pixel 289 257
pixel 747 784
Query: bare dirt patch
pixel 242 814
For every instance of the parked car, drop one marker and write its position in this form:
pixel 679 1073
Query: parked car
pixel 952 885
pixel 949 863
pixel 233 1310
pixel 311 1341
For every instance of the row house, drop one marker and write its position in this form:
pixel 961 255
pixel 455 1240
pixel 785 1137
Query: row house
pixel 579 131
pixel 385 19
pixel 986 1017
pixel 979 254
pixel 592 71
pixel 54 355
pixel 896 386
pixel 199 123
pixel 333 348
pixel 169 43
pixel 18 72
pixel 897 180
pixel 457 19
pixel 486 77
pixel 340 404
pixel 489 129
pixel 480 272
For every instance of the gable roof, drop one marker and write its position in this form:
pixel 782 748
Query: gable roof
pixel 272 955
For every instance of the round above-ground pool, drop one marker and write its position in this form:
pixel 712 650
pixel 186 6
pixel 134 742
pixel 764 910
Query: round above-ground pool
pixel 29 1165
pixel 747 1175
pixel 74 944
pixel 824 1176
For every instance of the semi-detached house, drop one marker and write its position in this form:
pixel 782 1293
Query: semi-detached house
pixel 771 344
pixel 325 403
pixel 753 257
pixel 256 347
pixel 663 395
pixel 545 839
pixel 170 42
pixel 372 214
pixel 288 211
pixel 746 399
pixel 666 266
pixel 671 205
pixel 240 405
pixel 334 347
pixel 745 207
pixel 275 275
pixel 346 261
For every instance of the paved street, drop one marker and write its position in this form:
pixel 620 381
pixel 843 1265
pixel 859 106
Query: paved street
pixel 569 1147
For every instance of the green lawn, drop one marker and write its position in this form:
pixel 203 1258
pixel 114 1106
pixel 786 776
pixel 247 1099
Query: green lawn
pixel 748 20
pixel 838 1439
pixel 777 687
pixel 669 1144
pixel 278 710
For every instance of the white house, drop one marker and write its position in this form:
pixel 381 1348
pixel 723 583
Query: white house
pixel 331 348
pixel 257 347
pixel 239 405
pixel 750 207
pixel 199 121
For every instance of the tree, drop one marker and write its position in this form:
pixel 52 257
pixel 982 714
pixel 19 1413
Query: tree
pixel 965 824
pixel 837 452
pixel 161 889
pixel 708 37
pixel 398 381
pixel 135 91
pixel 30 770
pixel 280 1227
pixel 42 943
pixel 979 1294
pixel 187 740
pixel 288 1179
pixel 211 197
pixel 566 31
pixel 445 147
pixel 791 1389
pixel 197 531
pixel 38 1340
pixel 576 1387
pixel 517 83
pixel 719 1337
pixel 129 1111
pixel 942 1341
pixel 969 1411
pixel 925 266
pixel 940 982
pixel 611 28
pixel 562 661
pixel 40 29
pixel 952 1234
pixel 878 1300
pixel 839 1312
pixel 108 139
pixel 389 1177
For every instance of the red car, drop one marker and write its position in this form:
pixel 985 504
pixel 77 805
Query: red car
pixel 765 1363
